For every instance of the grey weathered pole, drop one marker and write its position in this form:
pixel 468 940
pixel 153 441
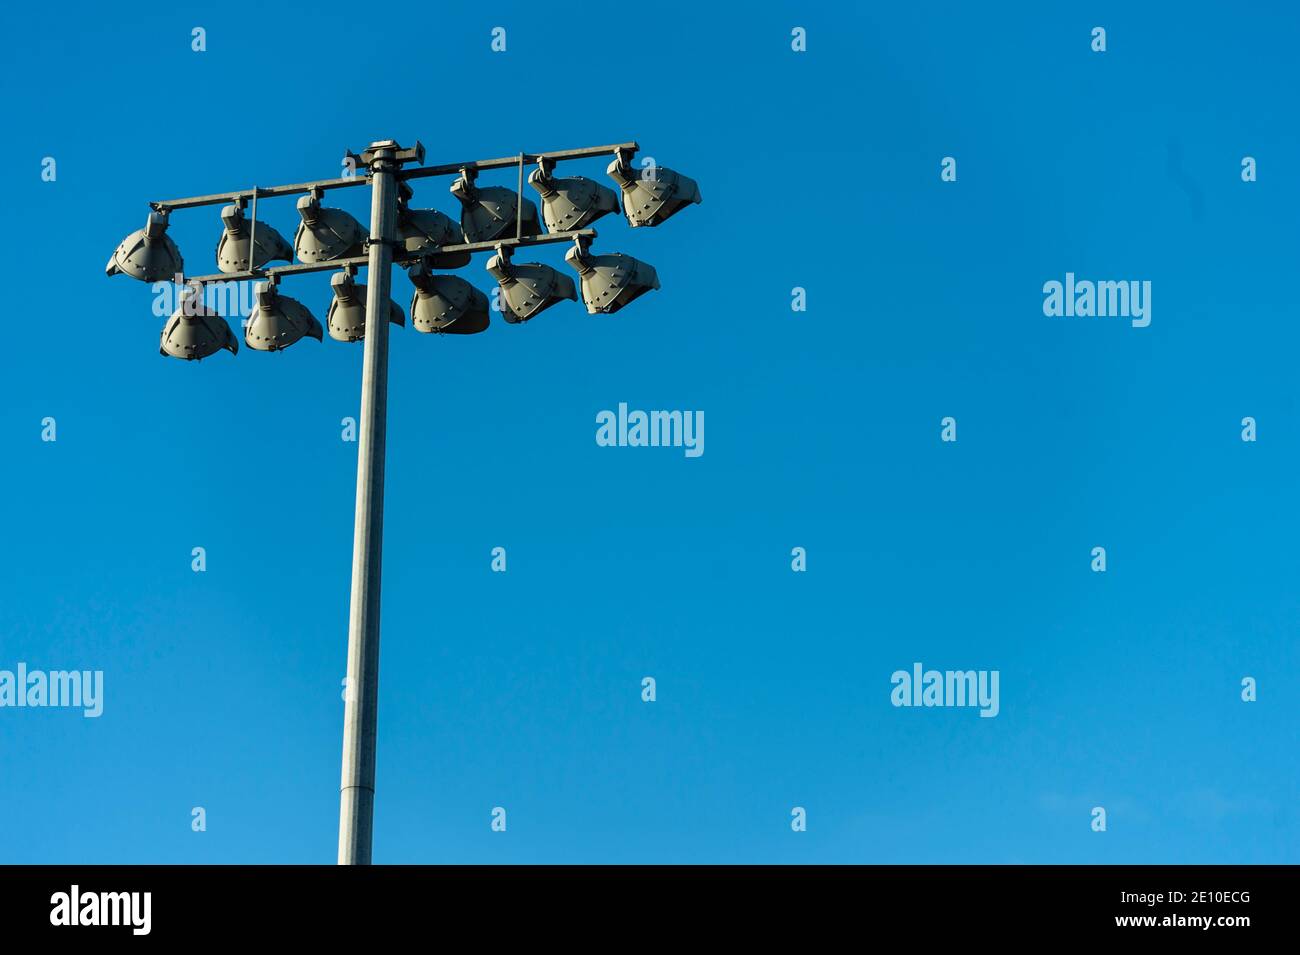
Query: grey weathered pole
pixel 357 789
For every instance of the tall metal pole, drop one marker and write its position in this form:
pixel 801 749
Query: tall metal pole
pixel 357 789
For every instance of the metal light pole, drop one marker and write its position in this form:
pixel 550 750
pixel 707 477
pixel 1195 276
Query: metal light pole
pixel 150 256
pixel 357 788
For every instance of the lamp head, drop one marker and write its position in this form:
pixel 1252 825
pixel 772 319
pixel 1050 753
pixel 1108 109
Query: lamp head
pixel 488 213
pixel 347 313
pixel 194 332
pixel 654 194
pixel 278 321
pixel 326 234
pixel 529 288
pixel 609 281
pixel 427 230
pixel 147 254
pixel 446 303
pixel 572 203
pixel 233 247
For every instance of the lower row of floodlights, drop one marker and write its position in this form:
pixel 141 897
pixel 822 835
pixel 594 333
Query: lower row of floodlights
pixel 445 304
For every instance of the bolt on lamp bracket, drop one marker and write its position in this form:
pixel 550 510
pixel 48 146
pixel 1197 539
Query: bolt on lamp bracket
pixel 469 175
pixel 623 156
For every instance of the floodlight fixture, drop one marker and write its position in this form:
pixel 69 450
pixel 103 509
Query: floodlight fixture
pixel 446 303
pixel 326 234
pixel 427 230
pixel 570 203
pixel 489 213
pixel 194 331
pixel 611 280
pixel 346 319
pixel 654 194
pixel 278 321
pixel 528 288
pixel 233 247
pixel 148 254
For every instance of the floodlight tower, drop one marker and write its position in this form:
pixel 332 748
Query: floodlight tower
pixel 420 240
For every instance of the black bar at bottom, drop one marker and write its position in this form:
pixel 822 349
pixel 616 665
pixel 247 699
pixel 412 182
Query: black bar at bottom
pixel 665 906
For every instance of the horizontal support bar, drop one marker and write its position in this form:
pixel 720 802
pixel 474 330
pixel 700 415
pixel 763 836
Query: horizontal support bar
pixel 263 192
pixel 401 258
pixel 546 238
pixel 510 162
pixel 296 268
pixel 361 178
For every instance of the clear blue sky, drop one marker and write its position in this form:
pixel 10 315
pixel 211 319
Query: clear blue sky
pixel 522 690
